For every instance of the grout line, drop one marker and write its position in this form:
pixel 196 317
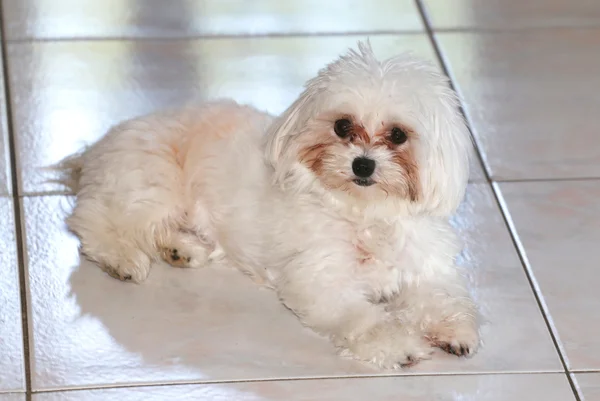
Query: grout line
pixel 508 30
pixel 16 209
pixel 576 386
pixel 41 194
pixel 291 379
pixel 590 370
pixel 245 35
pixel 485 179
pixel 272 35
pixel 558 179
pixel 508 222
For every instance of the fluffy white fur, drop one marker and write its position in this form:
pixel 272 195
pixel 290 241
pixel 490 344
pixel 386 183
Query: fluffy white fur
pixel 372 267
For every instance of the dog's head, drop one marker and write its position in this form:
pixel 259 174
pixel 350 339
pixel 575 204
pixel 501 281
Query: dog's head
pixel 370 132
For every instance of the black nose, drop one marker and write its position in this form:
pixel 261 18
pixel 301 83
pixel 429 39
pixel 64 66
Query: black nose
pixel 363 167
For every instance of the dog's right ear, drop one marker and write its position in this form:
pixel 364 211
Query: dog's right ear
pixel 284 128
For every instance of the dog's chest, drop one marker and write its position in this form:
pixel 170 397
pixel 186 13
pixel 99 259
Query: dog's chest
pixel 379 259
pixel 375 245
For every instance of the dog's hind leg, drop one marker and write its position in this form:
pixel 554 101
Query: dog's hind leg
pixel 190 241
pixel 187 248
pixel 121 241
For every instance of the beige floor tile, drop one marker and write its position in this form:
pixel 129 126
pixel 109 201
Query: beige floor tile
pixel 12 374
pixel 477 173
pixel 67 94
pixel 589 385
pixel 13 397
pixel 511 14
pixel 557 223
pixel 184 18
pixel 532 99
pixel 214 324
pixel 547 387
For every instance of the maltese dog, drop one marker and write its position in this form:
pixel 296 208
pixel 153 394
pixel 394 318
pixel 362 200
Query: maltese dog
pixel 340 204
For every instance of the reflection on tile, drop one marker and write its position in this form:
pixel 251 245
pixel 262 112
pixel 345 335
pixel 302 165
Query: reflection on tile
pixel 187 18
pixel 500 288
pixel 11 340
pixel 547 387
pixel 206 324
pixel 499 14
pixel 532 99
pixel 5 176
pixel 557 222
pixel 214 324
pixel 67 94
pixel 589 385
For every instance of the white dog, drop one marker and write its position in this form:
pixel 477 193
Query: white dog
pixel 341 204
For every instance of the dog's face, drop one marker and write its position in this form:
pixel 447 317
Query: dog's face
pixel 366 155
pixel 371 133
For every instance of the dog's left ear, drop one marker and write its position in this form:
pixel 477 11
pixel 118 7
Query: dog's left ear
pixel 292 121
pixel 286 126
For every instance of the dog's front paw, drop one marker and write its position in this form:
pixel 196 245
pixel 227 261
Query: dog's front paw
pixel 129 270
pixel 460 338
pixel 389 346
pixel 133 265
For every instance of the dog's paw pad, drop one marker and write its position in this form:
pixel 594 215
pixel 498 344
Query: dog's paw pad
pixel 460 339
pixel 175 258
pixel 175 255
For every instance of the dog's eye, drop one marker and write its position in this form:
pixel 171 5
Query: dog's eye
pixel 398 136
pixel 342 127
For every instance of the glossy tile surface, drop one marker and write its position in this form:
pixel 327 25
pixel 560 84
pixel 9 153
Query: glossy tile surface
pixel 589 385
pixel 548 387
pixel 500 287
pixel 67 94
pixel 89 329
pixel 557 223
pixel 13 397
pixel 5 170
pixel 184 18
pixel 532 99
pixel 12 374
pixel 206 324
pixel 512 14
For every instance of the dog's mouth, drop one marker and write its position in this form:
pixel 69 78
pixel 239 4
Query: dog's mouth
pixel 363 182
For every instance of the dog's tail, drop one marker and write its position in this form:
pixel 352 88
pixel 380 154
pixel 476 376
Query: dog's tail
pixel 67 172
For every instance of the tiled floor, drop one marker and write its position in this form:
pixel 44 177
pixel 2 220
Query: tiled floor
pixel 528 73
pixel 589 385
